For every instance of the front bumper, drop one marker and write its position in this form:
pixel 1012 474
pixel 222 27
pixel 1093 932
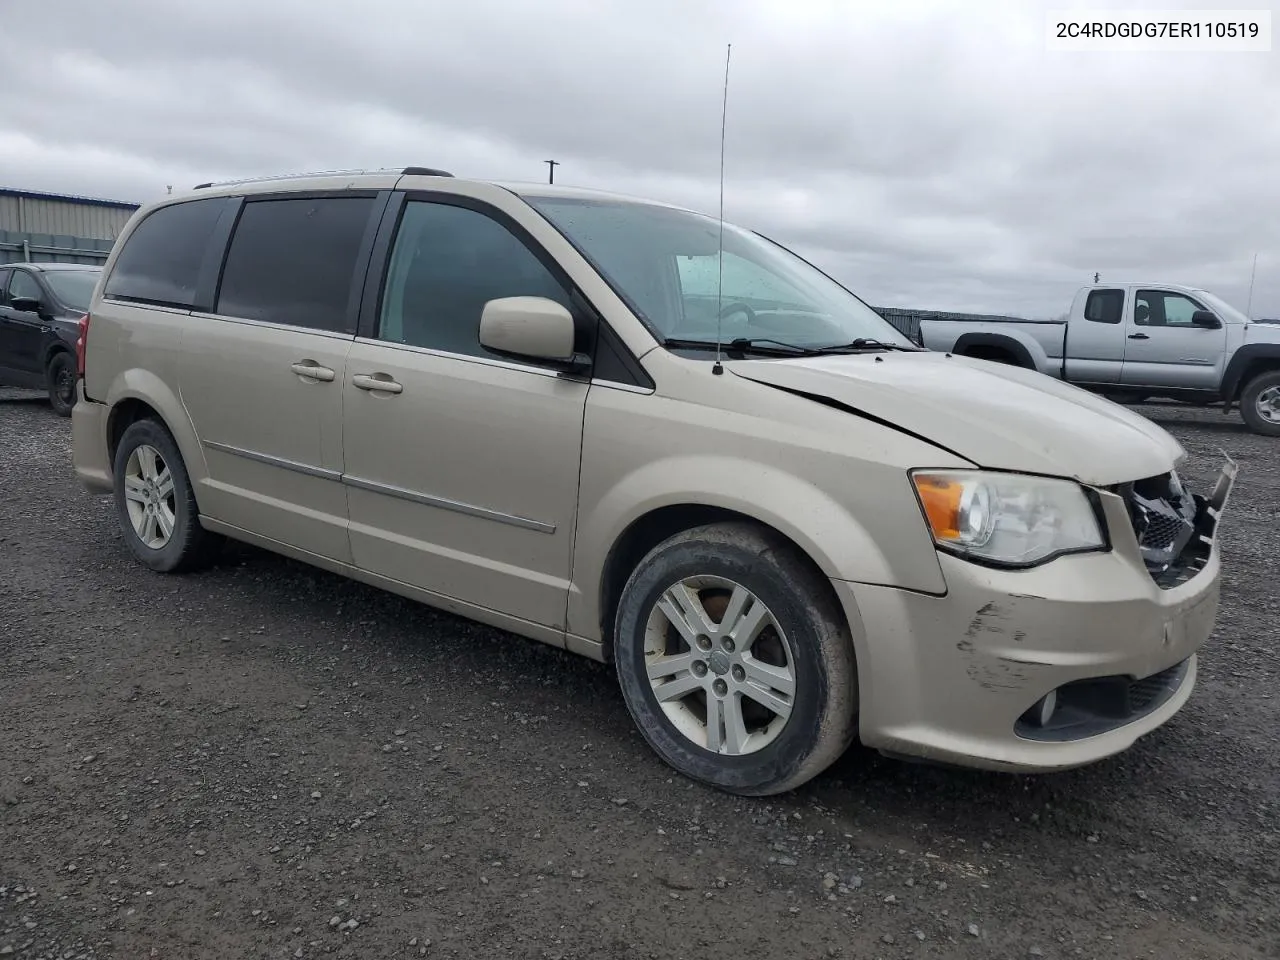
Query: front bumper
pixel 950 679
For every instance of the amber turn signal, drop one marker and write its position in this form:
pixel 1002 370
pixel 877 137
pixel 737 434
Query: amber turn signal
pixel 941 498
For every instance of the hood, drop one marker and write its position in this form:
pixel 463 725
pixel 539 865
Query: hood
pixel 997 416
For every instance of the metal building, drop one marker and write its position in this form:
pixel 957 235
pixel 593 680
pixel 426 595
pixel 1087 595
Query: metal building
pixel 57 227
pixel 907 320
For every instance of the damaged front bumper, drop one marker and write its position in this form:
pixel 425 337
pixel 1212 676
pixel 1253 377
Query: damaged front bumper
pixel 1047 668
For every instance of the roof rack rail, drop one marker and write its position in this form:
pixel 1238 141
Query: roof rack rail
pixel 425 172
pixel 406 171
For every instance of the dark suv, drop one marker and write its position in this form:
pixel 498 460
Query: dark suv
pixel 40 308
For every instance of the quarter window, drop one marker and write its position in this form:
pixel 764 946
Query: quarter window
pixel 1158 308
pixel 447 263
pixel 294 262
pixel 1104 306
pixel 161 258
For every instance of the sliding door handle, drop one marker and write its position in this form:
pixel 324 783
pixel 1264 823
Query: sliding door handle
pixel 377 382
pixel 1138 336
pixel 310 370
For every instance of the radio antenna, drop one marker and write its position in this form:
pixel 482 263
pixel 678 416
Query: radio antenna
pixel 1252 276
pixel 718 368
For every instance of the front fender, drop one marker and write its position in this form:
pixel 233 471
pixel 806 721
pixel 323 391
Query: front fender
pixel 827 531
pixel 1243 363
pixel 52 343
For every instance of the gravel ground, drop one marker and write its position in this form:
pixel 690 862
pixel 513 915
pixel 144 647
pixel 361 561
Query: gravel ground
pixel 268 761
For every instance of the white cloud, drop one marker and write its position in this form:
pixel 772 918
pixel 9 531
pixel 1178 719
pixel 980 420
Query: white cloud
pixel 930 154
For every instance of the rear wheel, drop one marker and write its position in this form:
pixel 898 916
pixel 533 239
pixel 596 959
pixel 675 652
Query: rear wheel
pixel 156 504
pixel 1260 403
pixel 735 660
pixel 60 376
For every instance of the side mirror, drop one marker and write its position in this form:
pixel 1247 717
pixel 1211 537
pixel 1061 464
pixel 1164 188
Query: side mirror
pixel 531 328
pixel 25 304
pixel 1206 319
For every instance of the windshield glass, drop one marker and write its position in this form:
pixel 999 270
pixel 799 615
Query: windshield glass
pixel 1223 307
pixel 73 287
pixel 666 265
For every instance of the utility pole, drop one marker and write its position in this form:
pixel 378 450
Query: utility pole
pixel 1248 310
pixel 551 170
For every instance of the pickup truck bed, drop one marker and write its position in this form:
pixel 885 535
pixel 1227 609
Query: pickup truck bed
pixel 1133 341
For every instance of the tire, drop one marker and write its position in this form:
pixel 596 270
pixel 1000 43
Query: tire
pixel 60 376
pixel 805 636
pixel 187 545
pixel 1260 403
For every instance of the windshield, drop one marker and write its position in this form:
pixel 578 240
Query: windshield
pixel 666 265
pixel 1222 306
pixel 73 287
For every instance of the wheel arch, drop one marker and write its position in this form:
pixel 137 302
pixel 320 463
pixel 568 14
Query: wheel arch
pixel 980 346
pixel 54 347
pixel 1246 363
pixel 137 394
pixel 657 525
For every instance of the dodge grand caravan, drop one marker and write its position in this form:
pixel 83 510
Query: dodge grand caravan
pixel 599 423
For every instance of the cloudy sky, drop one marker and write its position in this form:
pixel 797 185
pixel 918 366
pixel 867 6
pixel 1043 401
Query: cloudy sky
pixel 929 154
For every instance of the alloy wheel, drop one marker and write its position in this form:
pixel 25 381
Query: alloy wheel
pixel 1268 404
pixel 720 666
pixel 149 496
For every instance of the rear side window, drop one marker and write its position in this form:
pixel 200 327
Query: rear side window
pixel 1104 306
pixel 294 262
pixel 161 258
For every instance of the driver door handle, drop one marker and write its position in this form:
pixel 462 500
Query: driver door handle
pixel 1138 336
pixel 311 370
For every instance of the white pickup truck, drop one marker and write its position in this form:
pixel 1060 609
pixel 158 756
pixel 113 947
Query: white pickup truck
pixel 1138 340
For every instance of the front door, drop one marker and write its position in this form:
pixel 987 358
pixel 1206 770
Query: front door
pixel 5 363
pixel 24 330
pixel 1163 348
pixel 262 375
pixel 461 467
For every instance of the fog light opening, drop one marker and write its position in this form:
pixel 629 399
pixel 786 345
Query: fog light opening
pixel 1042 712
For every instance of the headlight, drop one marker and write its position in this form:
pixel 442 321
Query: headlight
pixel 1007 518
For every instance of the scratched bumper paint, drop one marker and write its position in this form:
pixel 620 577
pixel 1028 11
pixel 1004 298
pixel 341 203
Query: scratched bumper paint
pixel 946 678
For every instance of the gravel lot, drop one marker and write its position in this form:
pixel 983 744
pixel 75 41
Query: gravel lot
pixel 269 761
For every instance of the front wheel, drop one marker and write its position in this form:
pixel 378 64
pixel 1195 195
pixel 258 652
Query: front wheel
pixel 1260 403
pixel 60 376
pixel 735 659
pixel 156 503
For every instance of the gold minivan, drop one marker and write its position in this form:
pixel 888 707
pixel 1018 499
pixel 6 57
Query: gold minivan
pixel 620 428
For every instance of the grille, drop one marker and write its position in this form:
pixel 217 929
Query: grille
pixel 1149 692
pixel 1161 531
pixel 1166 520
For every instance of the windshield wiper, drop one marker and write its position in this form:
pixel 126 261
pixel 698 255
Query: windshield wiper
pixel 866 343
pixel 741 344
pixel 782 348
